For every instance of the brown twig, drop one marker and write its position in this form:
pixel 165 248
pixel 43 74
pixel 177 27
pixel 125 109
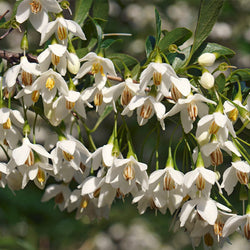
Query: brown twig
pixel 1 17
pixel 13 57
pixel 6 33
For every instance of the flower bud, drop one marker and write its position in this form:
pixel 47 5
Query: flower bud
pixel 207 59
pixel 24 43
pixel 207 80
pixel 73 63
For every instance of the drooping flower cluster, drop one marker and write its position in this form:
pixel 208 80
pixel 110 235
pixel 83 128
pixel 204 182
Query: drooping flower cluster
pixel 65 95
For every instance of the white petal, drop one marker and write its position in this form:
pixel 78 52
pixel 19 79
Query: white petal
pixel 23 11
pixel 90 185
pixel 232 224
pixel 208 210
pixel 186 210
pixel 182 84
pixel 21 154
pixel 39 20
pixel 11 75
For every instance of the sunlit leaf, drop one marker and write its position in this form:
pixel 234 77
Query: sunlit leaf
pixel 158 26
pixel 82 10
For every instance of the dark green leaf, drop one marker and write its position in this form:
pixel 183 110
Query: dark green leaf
pixel 240 75
pixel 105 113
pixel 118 58
pixel 135 71
pixel 82 52
pixel 212 47
pixel 108 42
pixel 178 60
pixel 177 36
pixel 150 44
pixel 220 82
pixel 209 11
pixel 101 9
pixel 82 10
pixel 158 26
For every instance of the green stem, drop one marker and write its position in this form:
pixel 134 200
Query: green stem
pixel 34 129
pixel 5 152
pixel 157 148
pixel 175 151
pixel 238 138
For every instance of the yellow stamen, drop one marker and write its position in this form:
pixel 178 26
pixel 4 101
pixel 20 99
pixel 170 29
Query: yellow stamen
pixel 157 77
pixel 84 203
pixel 129 172
pixel 70 105
pixel 7 124
pixel 55 59
pixel 31 159
pixel 169 183
pixel 218 227
pixel 26 78
pixel 35 6
pixel 216 157
pixel 98 99
pixel 35 95
pixel 146 111
pixel 192 110
pixel 50 83
pixel 41 176
pixel 126 96
pixel 233 114
pixel 213 129
pixel 96 68
pixel 242 177
pixel 82 167
pixel 61 32
pixel 247 230
pixel 97 193
pixel 175 93
pixel 200 182
pixel 68 156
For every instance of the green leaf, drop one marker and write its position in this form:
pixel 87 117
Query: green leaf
pixel 212 47
pixel 150 44
pixel 135 71
pixel 158 26
pixel 177 36
pixel 118 58
pixel 220 82
pixel 178 60
pixel 101 9
pixel 108 42
pixel 105 113
pixel 209 11
pixel 240 75
pixel 82 10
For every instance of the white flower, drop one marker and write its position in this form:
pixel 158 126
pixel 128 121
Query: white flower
pixel 48 84
pixel 239 171
pixel 199 180
pixel 189 108
pixel 207 80
pixel 216 123
pixel 86 206
pixel 60 192
pixel 232 224
pixel 73 63
pixel 28 71
pixel 10 121
pixel 37 12
pixel 61 27
pixel 3 173
pixel 98 66
pixel 56 54
pixel 125 174
pixel 206 208
pixel 232 111
pixel 146 107
pixel 207 59
pixel 63 105
pixel 126 90
pixel 96 187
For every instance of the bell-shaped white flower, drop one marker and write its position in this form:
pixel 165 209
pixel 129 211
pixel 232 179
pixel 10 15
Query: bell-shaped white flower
pixel 238 172
pixel 98 66
pixel 37 12
pixel 10 121
pixel 48 84
pixel 60 193
pixel 56 54
pixel 146 107
pixel 189 109
pixel 125 174
pixel 61 26
pixel 26 69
